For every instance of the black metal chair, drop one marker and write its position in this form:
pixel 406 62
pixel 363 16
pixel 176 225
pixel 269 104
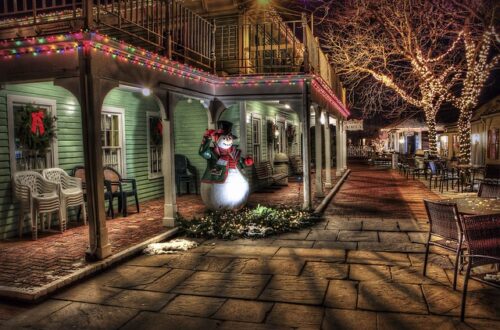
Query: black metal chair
pixel 185 173
pixel 79 172
pixel 482 234
pixel 121 188
pixel 444 224
pixel 436 173
pixel 489 190
pixel 491 174
pixel 448 175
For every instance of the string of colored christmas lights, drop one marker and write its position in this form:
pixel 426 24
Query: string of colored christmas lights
pixel 71 42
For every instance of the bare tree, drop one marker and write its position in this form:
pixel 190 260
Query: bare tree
pixel 397 43
pixel 479 23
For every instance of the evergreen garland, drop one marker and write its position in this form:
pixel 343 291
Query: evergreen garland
pixel 252 223
pixel 37 143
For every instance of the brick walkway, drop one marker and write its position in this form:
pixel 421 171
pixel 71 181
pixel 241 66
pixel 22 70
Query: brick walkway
pixel 31 264
pixel 360 268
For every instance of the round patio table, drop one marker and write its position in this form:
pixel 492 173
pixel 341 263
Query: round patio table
pixel 476 205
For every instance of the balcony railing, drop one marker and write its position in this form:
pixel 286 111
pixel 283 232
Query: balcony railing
pixel 163 26
pixel 265 47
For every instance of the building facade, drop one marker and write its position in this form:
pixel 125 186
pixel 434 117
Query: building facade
pixel 134 83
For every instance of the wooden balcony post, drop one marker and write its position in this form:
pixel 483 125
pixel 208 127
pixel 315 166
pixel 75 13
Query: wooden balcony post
pixel 307 68
pixel 88 13
pixel 344 146
pixel 338 144
pixel 328 153
pixel 318 159
pixel 168 102
pixel 212 50
pixel 306 146
pixel 92 93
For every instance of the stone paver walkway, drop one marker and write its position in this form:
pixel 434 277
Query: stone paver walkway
pixel 360 268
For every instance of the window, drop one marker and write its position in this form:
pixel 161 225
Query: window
pixel 155 144
pixel 112 138
pixel 281 137
pixel 493 142
pixel 256 138
pixel 22 159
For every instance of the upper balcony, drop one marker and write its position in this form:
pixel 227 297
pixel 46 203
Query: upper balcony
pixel 161 26
pixel 258 43
pixel 265 44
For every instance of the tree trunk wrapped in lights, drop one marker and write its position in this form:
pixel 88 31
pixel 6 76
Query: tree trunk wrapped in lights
pixel 478 66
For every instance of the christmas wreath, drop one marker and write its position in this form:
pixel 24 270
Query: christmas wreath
pixel 290 133
pixel 35 129
pixel 271 129
pixel 156 131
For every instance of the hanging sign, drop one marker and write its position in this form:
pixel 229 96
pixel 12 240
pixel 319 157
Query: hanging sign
pixel 354 125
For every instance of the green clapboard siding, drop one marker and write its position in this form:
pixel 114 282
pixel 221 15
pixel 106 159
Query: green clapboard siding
pixel 135 107
pixel 190 122
pixel 70 145
pixel 267 112
pixel 70 148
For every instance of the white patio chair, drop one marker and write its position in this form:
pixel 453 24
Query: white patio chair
pixel 38 197
pixel 70 190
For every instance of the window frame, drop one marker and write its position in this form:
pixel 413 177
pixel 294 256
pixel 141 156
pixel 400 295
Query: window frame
pixel 257 117
pixel 152 114
pixel 13 99
pixel 121 120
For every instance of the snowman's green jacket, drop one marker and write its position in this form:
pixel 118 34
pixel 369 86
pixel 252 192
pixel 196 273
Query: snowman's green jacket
pixel 217 173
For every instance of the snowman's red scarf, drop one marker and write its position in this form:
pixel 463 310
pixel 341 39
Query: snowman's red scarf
pixel 231 155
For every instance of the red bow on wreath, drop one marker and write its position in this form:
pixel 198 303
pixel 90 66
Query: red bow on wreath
pixel 159 128
pixel 37 122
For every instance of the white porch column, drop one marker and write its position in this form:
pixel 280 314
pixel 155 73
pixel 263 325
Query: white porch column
pixel 243 127
pixel 338 146
pixel 306 147
pixel 318 152
pixel 328 147
pixel 168 160
pixel 344 146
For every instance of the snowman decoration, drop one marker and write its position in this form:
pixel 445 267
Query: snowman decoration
pixel 223 185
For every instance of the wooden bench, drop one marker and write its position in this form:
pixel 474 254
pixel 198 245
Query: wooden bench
pixel 296 164
pixel 264 172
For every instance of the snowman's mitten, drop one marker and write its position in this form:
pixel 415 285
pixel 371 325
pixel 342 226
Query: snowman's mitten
pixel 248 161
pixel 209 133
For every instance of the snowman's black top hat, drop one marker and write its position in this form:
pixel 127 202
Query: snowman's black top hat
pixel 224 128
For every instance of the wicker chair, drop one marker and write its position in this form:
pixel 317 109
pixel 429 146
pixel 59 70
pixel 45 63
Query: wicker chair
pixel 38 197
pixel 482 234
pixel 489 190
pixel 70 191
pixel 445 225
pixel 79 172
pixel 121 188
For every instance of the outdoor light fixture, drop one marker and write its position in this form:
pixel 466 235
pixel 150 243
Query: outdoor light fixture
pixel 277 133
pixel 401 140
pixel 189 101
pixel 146 91
pixel 287 106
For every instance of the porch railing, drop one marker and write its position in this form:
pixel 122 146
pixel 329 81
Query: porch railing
pixel 163 26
